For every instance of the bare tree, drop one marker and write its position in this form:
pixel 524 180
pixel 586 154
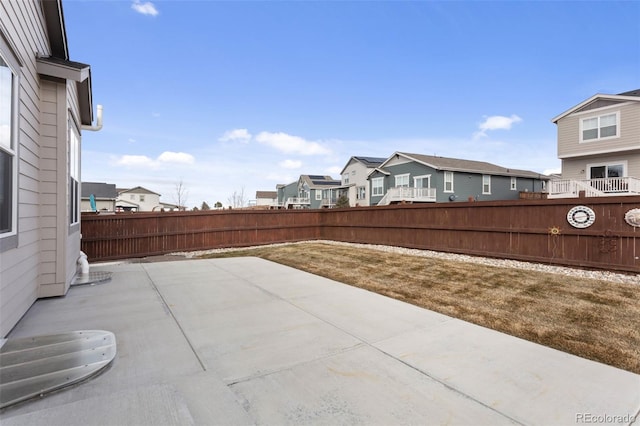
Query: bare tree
pixel 180 195
pixel 237 199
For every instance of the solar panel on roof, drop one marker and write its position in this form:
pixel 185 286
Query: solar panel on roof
pixel 325 182
pixel 316 177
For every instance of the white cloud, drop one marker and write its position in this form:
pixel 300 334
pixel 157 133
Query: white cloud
pixel 496 122
pixel 135 161
pixel 556 171
pixel 176 157
pixel 146 8
pixel 236 135
pixel 290 164
pixel 142 161
pixel 289 144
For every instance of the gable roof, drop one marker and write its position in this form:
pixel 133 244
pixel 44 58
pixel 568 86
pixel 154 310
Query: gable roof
pixel 99 190
pixel 319 181
pixel 368 162
pixel 632 95
pixel 57 35
pixel 137 190
pixel 468 166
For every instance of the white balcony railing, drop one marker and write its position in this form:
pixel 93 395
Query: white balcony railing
pixel 601 187
pixel 296 202
pixel 408 194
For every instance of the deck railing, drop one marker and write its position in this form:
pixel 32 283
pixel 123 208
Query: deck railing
pixel 600 187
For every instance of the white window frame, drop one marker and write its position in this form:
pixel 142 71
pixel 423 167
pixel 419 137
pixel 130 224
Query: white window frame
pixel 345 179
pixel 74 173
pixel 318 195
pixel 448 179
pixel 486 184
pixel 514 183
pixel 399 180
pixel 377 186
pixel 9 238
pixel 599 127
pixel 361 192
pixel 422 177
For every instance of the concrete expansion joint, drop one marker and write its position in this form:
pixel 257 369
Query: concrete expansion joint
pixel 168 309
pixel 266 373
pixel 448 386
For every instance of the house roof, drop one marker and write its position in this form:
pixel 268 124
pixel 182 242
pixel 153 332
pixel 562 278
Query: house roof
pixel 469 166
pixel 99 190
pixel 267 194
pixel 57 34
pixel 632 95
pixel 137 190
pixel 319 181
pixel 369 162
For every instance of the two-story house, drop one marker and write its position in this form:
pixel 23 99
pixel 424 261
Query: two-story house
pixel 599 145
pixel 355 179
pixel 416 178
pixel 138 199
pixel 309 192
pixel 45 104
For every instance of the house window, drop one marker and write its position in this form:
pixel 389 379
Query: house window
pixel 448 181
pixel 345 179
pixel 514 183
pixel 377 186
pixel 318 195
pixel 74 174
pixel 606 171
pixel 361 193
pixel 8 158
pixel 486 184
pixel 402 180
pixel 422 181
pixel 601 127
pixel 142 198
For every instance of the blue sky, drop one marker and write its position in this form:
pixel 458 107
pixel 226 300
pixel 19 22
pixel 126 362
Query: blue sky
pixel 242 95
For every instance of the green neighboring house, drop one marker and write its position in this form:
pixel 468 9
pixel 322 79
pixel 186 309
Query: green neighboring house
pixel 406 177
pixel 309 192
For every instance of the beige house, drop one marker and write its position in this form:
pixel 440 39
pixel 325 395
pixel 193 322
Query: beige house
pixel 354 178
pixel 138 199
pixel 45 103
pixel 599 145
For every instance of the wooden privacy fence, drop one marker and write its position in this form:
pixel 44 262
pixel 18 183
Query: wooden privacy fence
pixel 530 230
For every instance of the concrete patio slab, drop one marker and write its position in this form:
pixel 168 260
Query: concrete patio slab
pixel 247 341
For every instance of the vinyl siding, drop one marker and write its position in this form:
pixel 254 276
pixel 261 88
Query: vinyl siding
pixel 569 144
pixel 576 168
pixel 53 189
pixel 43 263
pixel 19 267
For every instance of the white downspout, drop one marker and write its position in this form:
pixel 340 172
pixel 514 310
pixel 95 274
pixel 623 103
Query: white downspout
pixel 98 125
pixel 83 263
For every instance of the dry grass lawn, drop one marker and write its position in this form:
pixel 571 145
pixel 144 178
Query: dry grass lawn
pixel 594 319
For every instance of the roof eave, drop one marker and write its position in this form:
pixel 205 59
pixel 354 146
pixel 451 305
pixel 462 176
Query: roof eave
pixel 591 99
